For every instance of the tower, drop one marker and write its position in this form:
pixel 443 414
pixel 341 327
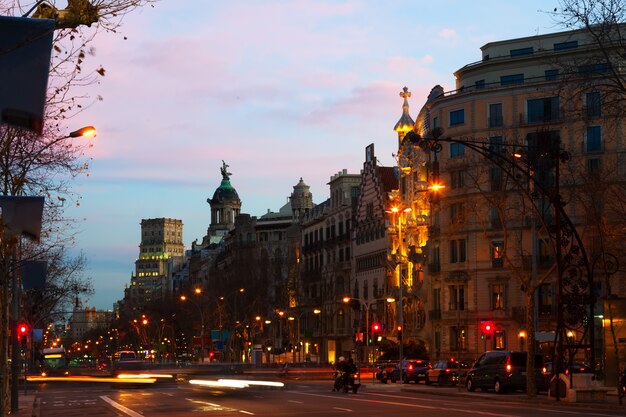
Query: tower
pixel 301 200
pixel 225 207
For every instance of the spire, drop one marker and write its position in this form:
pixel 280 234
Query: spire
pixel 406 123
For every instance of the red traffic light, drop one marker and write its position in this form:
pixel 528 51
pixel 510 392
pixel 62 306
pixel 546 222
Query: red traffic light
pixel 22 330
pixel 376 327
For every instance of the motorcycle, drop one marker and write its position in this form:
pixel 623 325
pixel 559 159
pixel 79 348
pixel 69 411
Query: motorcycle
pixel 347 382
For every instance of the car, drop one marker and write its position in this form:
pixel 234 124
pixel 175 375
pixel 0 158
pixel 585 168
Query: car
pixel 384 370
pixel 576 368
pixel 412 370
pixel 447 372
pixel 502 370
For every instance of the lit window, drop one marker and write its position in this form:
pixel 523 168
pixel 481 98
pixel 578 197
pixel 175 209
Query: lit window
pixel 497 297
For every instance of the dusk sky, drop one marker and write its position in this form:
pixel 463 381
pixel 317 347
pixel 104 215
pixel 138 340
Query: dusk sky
pixel 277 89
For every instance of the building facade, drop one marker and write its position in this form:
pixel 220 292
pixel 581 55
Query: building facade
pixel 161 254
pixel 489 240
pixel 326 265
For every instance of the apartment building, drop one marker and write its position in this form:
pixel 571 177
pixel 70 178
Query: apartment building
pixel 490 228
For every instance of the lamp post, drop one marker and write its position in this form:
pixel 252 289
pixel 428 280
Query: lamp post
pixel 366 304
pixel 185 298
pixel 20 216
pixel 400 259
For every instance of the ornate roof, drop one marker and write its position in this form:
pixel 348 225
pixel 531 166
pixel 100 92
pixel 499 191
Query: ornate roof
pixel 225 192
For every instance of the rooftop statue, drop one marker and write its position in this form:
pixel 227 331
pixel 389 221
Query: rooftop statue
pixel 225 174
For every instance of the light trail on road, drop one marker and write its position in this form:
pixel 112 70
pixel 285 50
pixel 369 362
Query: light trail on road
pixel 401 404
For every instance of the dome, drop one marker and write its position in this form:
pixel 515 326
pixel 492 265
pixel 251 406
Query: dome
pixel 225 192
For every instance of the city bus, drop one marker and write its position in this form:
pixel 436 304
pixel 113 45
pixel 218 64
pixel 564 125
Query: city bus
pixel 54 362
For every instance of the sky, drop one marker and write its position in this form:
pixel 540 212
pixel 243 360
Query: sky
pixel 279 90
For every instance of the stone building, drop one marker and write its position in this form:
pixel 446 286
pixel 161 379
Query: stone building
pixel 161 253
pixel 326 264
pixel 491 237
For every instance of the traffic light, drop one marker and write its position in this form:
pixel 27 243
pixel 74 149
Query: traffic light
pixel 22 333
pixel 486 330
pixel 399 330
pixel 376 329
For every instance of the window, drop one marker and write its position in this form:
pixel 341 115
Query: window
pixel 437 299
pixel 499 339
pixel 457 179
pixel 543 109
pixel 457 117
pixel 497 254
pixel 457 213
pixel 495 178
pixel 545 253
pixel 495 115
pixel 552 74
pixel 457 338
pixel 545 299
pixel 435 122
pixel 494 218
pixel 511 79
pixel 495 144
pixel 565 45
pixel 594 69
pixel 435 265
pixel 457 251
pixel 480 84
pixel 593 104
pixel 593 166
pixel 457 297
pixel 456 150
pixel 522 51
pixel 497 297
pixel 593 141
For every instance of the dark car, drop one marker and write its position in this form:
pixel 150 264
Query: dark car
pixel 412 370
pixel 447 372
pixel 576 368
pixel 384 370
pixel 502 370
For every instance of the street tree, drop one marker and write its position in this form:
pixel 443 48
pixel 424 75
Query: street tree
pixel 46 164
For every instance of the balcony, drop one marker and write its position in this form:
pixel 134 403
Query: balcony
pixel 540 119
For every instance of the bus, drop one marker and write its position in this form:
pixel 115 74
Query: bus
pixel 54 362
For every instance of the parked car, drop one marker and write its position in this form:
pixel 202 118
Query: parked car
pixel 384 370
pixel 449 372
pixel 412 370
pixel 577 368
pixel 502 370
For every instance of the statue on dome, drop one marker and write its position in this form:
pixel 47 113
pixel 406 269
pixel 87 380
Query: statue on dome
pixel 225 174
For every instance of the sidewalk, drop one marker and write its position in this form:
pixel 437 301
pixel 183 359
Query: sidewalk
pixel 611 403
pixel 27 406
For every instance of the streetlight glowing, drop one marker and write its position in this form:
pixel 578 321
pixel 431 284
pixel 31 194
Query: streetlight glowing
pixel 436 187
pixel 317 311
pixel 346 299
pixel 183 298
pixel 87 131
pixel 198 290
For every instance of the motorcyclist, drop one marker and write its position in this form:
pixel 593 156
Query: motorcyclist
pixel 345 370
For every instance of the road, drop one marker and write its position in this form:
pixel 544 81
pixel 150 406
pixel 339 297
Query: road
pixel 306 398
